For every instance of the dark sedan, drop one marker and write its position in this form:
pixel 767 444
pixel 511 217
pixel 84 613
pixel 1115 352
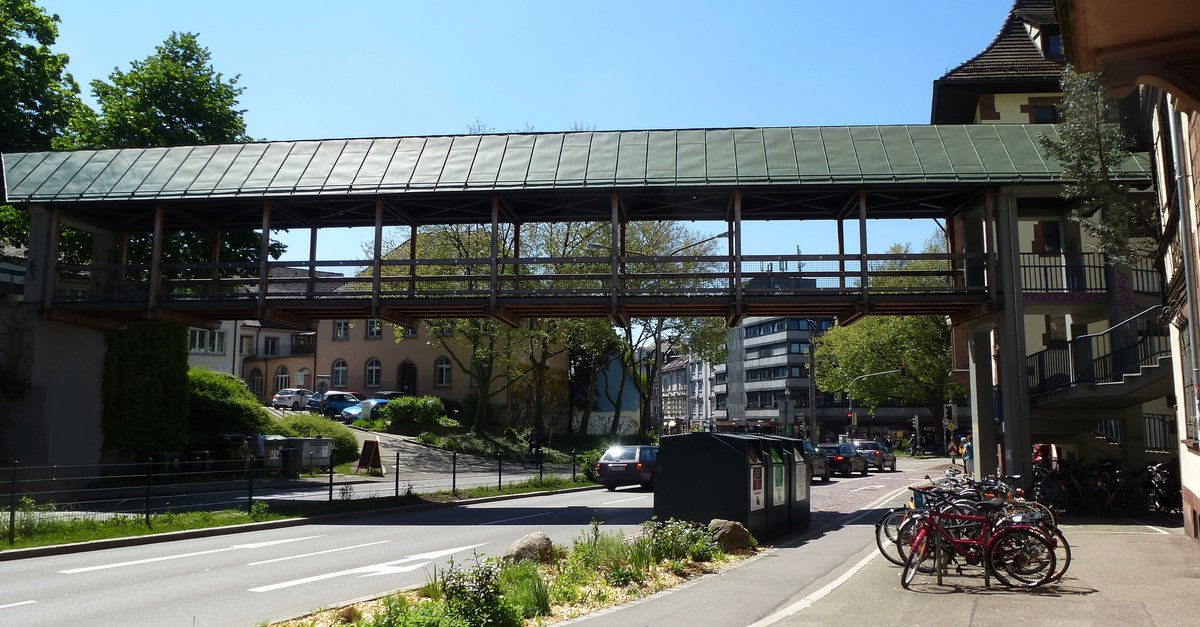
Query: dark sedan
pixel 844 459
pixel 627 465
pixel 816 459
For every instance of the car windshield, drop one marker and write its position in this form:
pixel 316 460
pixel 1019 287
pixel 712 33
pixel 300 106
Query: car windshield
pixel 619 454
pixel 869 445
pixel 829 447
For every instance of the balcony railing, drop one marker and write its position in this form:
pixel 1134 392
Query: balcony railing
pixel 1102 357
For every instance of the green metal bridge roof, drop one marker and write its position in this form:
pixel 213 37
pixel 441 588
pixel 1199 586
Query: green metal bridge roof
pixel 740 157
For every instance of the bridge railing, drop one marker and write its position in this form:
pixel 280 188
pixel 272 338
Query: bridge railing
pixel 1103 357
pixel 575 276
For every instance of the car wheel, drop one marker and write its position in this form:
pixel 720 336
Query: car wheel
pixel 825 477
pixel 846 471
pixel 864 472
pixel 610 486
pixel 893 468
pixel 331 414
pixel 295 406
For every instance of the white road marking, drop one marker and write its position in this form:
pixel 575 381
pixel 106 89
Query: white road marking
pixel 496 522
pixel 807 601
pixel 6 606
pixel 632 498
pixel 256 545
pixel 869 487
pixel 385 568
pixel 1162 531
pixel 292 557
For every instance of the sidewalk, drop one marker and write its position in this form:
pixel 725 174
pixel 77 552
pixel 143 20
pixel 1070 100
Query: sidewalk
pixel 1123 572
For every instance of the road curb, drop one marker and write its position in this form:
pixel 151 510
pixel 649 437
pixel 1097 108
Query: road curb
pixel 155 538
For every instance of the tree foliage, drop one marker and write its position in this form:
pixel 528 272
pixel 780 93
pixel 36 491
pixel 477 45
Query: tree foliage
pixel 145 380
pixel 1092 148
pixel 174 97
pixel 221 403
pixel 878 344
pixel 37 94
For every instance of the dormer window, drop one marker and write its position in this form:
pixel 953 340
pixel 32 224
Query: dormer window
pixel 1052 45
pixel 1044 114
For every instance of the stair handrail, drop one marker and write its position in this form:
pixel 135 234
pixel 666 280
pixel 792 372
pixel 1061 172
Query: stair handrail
pixel 1110 329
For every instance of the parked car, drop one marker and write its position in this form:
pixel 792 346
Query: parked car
pixel 876 454
pixel 844 458
pixel 314 402
pixel 368 408
pixel 335 401
pixel 816 459
pixel 291 398
pixel 627 465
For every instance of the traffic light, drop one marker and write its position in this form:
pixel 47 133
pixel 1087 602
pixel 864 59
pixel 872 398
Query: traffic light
pixel 904 370
pixel 949 411
pixel 849 415
pixel 916 422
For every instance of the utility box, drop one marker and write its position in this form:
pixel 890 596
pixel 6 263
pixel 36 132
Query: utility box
pixel 313 451
pixel 702 476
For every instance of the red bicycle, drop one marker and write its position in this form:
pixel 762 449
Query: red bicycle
pixel 1018 555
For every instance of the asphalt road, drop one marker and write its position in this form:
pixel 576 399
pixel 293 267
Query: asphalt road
pixel 248 578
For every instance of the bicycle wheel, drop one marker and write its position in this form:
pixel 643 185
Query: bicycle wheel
pixel 920 559
pixel 887 530
pixel 1062 553
pixel 1021 558
pixel 906 533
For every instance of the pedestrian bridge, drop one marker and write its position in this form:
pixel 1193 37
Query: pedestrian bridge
pixel 134 203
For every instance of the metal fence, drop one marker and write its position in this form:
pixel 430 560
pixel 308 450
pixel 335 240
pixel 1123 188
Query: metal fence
pixel 40 499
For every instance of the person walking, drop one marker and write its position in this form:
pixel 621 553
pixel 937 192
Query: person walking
pixel 968 455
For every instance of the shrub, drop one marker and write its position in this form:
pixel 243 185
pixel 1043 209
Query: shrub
pixel 410 410
pixel 145 381
pixel 525 589
pixel 473 595
pixel 429 438
pixel 678 539
pixel 345 445
pixel 588 461
pixel 221 403
pixel 621 576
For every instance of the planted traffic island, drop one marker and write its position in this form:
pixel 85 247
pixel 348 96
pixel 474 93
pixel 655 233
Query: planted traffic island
pixel 538 583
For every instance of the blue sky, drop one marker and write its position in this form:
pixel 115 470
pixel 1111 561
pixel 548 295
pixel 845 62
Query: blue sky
pixel 316 70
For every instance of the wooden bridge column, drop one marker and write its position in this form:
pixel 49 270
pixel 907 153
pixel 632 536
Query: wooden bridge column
pixel 991 259
pixel 377 262
pixel 516 266
pixel 1014 385
pixel 312 261
pixel 616 247
pixel 841 231
pixel 214 257
pixel 862 242
pixel 495 264
pixel 412 260
pixel 156 257
pixel 264 256
pixel 735 248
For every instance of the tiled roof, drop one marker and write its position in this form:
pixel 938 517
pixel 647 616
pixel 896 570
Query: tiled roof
pixel 1013 55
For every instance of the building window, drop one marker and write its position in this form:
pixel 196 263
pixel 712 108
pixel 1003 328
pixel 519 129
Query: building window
pixel 410 332
pixel 341 329
pixel 270 346
pixel 282 378
pixel 302 377
pixel 256 381
pixel 1045 115
pixel 374 373
pixel 442 372
pixel 247 345
pixel 374 329
pixel 340 374
pixel 205 342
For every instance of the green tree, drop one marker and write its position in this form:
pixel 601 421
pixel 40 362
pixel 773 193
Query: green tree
pixel 1093 149
pixel 876 344
pixel 648 341
pixel 37 95
pixel 174 97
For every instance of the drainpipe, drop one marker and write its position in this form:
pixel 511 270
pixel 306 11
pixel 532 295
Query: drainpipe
pixel 1185 236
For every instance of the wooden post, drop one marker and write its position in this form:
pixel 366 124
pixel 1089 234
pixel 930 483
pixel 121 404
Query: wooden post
pixel 862 242
pixel 264 269
pixel 312 261
pixel 156 257
pixel 377 265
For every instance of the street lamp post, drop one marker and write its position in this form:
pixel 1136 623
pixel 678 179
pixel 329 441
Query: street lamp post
pixel 787 402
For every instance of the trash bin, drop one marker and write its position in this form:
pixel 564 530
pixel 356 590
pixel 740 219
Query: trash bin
pixel 289 458
pixel 199 463
pixel 314 452
pixel 798 479
pixel 702 476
